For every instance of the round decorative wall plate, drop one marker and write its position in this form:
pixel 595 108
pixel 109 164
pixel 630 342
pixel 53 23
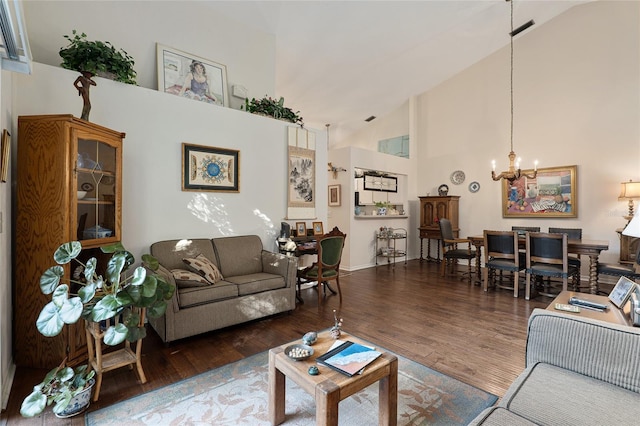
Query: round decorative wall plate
pixel 457 177
pixel 474 187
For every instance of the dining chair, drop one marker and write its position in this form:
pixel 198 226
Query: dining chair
pixel 547 256
pixel 521 230
pixel 450 251
pixel 631 271
pixel 327 267
pixel 572 234
pixel 501 253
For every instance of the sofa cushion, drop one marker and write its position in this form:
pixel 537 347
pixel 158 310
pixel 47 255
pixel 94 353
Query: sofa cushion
pixel 256 283
pixel 171 252
pixel 201 295
pixel 239 255
pixel 204 267
pixel 499 416
pixel 186 278
pixel 550 395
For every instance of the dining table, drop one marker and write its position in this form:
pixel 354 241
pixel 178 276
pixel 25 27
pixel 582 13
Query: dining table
pixel 583 247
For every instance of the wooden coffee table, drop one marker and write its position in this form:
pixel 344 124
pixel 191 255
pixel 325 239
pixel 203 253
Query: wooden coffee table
pixel 330 387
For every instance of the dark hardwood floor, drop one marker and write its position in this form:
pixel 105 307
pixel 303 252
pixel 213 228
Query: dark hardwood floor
pixel 446 324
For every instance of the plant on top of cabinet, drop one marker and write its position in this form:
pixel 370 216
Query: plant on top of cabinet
pixel 97 58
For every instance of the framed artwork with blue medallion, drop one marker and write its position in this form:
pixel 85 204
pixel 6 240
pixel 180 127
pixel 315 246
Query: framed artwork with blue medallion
pixel 208 168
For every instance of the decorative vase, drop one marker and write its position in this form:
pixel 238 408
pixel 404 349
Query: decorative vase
pixel 79 403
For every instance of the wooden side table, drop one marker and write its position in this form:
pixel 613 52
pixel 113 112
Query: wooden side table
pixel 123 357
pixel 330 387
pixel 612 314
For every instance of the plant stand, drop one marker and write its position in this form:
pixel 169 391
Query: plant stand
pixel 125 356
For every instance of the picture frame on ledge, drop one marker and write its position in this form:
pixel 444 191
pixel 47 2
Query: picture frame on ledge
pixel 208 168
pixel 317 228
pixel 190 76
pixel 301 229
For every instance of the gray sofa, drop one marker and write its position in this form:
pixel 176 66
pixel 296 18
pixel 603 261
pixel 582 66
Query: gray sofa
pixel 256 283
pixel 578 372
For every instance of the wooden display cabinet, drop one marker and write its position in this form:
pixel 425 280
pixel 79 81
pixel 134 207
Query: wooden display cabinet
pixel 433 209
pixel 58 156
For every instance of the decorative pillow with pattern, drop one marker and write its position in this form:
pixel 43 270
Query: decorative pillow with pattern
pixel 186 278
pixel 205 267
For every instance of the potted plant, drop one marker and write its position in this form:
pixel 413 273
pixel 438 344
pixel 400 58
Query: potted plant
pixel 97 58
pixel 96 298
pixel 272 108
pixel 69 388
pixel 383 206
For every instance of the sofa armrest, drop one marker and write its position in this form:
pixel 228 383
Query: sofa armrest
pixel 279 264
pixel 598 349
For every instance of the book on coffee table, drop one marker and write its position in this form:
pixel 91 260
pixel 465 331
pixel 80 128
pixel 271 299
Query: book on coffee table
pixel 349 358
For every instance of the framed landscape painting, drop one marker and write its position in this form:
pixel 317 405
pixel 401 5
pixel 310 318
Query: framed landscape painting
pixel 553 193
pixel 190 76
pixel 207 168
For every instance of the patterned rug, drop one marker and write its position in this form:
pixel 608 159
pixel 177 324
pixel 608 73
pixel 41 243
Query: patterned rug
pixel 237 394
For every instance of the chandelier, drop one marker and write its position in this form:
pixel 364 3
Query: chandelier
pixel 513 173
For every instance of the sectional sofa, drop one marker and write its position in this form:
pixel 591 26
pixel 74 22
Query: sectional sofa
pixel 578 372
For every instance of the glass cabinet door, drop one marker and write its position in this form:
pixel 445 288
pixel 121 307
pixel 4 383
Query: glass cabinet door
pixel 97 187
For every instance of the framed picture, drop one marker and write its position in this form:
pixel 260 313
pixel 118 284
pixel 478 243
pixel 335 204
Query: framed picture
pixel 553 193
pixel 207 168
pixel 301 229
pixel 191 76
pixel 302 176
pixel 621 292
pixel 4 150
pixel 317 228
pixel 334 195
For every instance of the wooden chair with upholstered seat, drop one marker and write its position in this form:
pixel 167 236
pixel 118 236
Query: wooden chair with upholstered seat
pixel 547 256
pixel 327 267
pixel 450 251
pixel 501 253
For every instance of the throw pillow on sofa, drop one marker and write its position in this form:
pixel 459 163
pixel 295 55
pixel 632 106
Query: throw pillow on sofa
pixel 205 267
pixel 186 278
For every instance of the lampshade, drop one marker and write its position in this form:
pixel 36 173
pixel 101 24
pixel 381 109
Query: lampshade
pixel 629 191
pixel 633 227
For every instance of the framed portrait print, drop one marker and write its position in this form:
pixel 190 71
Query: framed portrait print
pixel 553 193
pixel 190 76
pixel 301 229
pixel 207 168
pixel 621 292
pixel 334 195
pixel 317 228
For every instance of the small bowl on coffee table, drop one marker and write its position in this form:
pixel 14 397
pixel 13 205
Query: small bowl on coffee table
pixel 298 352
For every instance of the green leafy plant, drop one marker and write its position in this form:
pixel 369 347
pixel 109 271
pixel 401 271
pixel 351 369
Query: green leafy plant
pixel 97 57
pixel 383 204
pixel 60 385
pixel 96 299
pixel 272 108
pixel 102 298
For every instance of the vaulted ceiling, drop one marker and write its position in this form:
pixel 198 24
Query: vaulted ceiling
pixel 339 62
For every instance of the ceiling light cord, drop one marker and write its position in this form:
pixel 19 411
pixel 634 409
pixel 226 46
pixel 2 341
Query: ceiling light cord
pixel 511 76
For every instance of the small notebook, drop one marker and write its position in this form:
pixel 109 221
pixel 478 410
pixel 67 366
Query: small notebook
pixel 349 358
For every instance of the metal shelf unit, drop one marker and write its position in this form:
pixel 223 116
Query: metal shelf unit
pixel 391 243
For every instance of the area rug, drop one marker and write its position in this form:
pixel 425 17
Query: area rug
pixel 236 394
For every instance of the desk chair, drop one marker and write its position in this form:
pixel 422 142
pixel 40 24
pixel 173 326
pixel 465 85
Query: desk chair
pixel 547 256
pixel 327 267
pixel 501 254
pixel 450 251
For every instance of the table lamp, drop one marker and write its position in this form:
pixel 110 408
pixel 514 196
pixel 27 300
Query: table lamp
pixel 633 227
pixel 629 191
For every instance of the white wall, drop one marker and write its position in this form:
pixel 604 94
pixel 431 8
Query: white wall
pixel 156 124
pixel 7 368
pixel 136 27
